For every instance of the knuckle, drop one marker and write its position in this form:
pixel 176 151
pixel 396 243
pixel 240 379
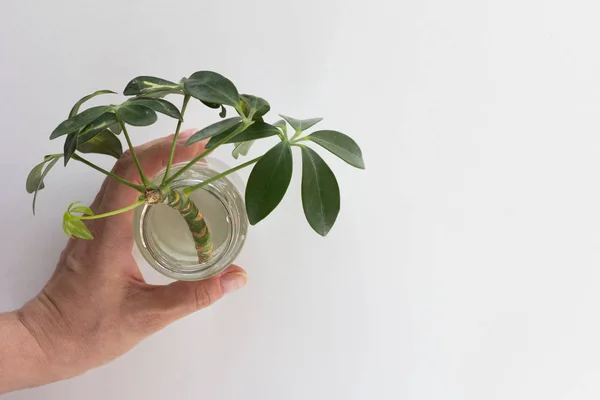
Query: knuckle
pixel 72 263
pixel 203 297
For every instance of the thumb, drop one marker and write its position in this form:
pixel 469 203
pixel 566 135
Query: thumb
pixel 178 299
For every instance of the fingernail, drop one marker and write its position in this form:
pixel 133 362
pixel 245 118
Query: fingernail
pixel 233 281
pixel 185 135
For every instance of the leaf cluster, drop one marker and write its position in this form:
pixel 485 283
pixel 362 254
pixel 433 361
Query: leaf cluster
pixel 73 226
pixel 98 130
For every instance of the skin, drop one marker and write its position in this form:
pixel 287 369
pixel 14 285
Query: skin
pixel 97 306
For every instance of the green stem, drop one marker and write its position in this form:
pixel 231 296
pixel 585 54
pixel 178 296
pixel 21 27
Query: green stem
pixel 139 188
pixel 192 189
pixel 195 221
pixel 189 165
pixel 296 135
pixel 109 214
pixel 240 112
pixel 145 180
pixel 186 100
pixel 302 139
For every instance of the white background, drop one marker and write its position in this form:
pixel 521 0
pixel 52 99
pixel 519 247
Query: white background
pixel 464 264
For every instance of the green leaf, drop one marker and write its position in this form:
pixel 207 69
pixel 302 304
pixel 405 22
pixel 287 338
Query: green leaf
pixel 243 106
pixel 211 87
pixel 257 106
pixel 72 225
pixel 300 125
pixel 158 105
pixel 103 143
pixel 211 105
pixel 320 192
pixel 281 125
pixel 78 105
pixel 214 129
pixel 137 115
pixel 242 149
pixel 147 85
pixel 77 228
pixel 70 146
pixel 41 181
pixel 268 182
pixel 216 139
pixel 116 129
pixel 34 179
pixel 95 127
pixel 84 210
pixel 73 204
pixel 159 94
pixel 341 145
pixel 65 224
pixel 223 112
pixel 78 121
pixel 258 130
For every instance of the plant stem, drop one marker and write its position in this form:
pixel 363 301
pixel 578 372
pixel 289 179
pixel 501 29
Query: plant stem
pixel 296 135
pixel 240 112
pixel 108 214
pixel 240 129
pixel 145 180
pixel 192 189
pixel 186 100
pixel 302 139
pixel 195 221
pixel 139 188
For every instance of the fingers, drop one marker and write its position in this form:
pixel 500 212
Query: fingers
pixel 169 303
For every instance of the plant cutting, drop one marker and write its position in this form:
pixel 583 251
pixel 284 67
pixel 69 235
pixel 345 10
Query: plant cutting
pixel 99 130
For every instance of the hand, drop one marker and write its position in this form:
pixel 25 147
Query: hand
pixel 96 305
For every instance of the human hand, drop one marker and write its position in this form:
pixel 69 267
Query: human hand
pixel 97 305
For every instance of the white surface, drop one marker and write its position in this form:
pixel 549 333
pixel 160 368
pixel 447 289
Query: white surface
pixel 465 261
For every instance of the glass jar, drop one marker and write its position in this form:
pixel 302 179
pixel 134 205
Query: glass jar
pixel 164 239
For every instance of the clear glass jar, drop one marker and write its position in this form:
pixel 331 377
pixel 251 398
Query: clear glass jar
pixel 164 239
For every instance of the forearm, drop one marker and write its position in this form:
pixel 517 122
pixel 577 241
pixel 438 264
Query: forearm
pixel 22 361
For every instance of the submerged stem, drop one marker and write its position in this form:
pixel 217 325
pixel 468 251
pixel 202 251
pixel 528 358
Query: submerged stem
pixel 195 221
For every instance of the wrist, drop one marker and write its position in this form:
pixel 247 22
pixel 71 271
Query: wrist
pixel 23 363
